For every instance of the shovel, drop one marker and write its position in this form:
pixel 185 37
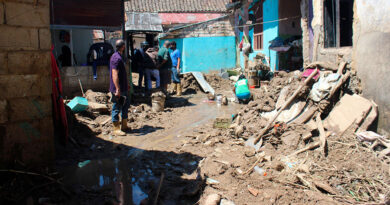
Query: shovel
pixel 253 142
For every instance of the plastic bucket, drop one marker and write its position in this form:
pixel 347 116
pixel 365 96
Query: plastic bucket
pixel 158 104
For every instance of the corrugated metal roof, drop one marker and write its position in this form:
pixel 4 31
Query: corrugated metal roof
pixel 176 6
pixel 150 22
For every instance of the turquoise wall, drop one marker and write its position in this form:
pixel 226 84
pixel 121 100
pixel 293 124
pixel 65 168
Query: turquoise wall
pixel 206 54
pixel 270 31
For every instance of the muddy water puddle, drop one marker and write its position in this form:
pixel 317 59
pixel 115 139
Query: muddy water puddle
pixel 113 180
pixel 203 111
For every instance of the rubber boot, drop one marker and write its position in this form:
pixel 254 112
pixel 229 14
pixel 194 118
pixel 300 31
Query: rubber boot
pixel 117 129
pixel 178 89
pixel 124 126
pixel 173 88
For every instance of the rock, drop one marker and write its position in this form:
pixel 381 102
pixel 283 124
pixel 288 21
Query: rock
pixel 139 109
pixel 97 97
pixel 249 152
pixel 239 130
pixel 212 199
pixel 226 202
pixel 225 100
pixel 211 96
pixel 97 107
pixel 252 104
pixel 208 143
pixel 253 191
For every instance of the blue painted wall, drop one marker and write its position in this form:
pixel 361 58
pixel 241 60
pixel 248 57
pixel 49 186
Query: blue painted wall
pixel 270 31
pixel 206 54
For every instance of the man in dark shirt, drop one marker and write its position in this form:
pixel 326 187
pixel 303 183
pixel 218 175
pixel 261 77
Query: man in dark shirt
pixel 165 64
pixel 119 89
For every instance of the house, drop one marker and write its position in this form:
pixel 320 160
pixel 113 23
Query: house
pixel 202 30
pixel 75 27
pixel 271 26
pixel 357 32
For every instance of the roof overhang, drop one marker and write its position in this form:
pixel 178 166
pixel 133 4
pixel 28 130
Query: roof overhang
pixel 86 14
pixel 143 22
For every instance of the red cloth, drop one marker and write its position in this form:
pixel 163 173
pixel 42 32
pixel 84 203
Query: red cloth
pixel 59 114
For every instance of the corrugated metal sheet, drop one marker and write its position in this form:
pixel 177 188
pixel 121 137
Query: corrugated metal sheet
pixel 150 22
pixel 87 13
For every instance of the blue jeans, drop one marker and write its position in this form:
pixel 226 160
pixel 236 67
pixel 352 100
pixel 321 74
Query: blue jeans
pixel 119 108
pixel 175 75
pixel 141 77
pixel 156 74
pixel 94 68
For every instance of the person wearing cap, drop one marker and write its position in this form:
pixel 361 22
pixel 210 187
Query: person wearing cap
pixel 119 89
pixel 176 60
pixel 241 90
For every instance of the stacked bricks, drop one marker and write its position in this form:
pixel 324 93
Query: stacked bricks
pixel 26 126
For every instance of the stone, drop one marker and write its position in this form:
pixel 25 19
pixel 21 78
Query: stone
pixel 212 199
pixel 16 38
pixel 3 63
pixel 19 14
pixel 349 110
pixel 249 152
pixel 3 111
pixel 44 39
pixel 29 62
pixel 226 202
pixel 98 107
pixel 253 191
pixel 239 130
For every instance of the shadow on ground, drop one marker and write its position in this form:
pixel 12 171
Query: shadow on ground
pixel 95 171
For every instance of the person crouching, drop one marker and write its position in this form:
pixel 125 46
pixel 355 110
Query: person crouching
pixel 241 90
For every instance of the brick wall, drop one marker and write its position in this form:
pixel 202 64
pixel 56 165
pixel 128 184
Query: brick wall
pixel 26 128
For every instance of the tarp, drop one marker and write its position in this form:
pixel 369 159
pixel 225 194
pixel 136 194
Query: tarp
pixel 87 13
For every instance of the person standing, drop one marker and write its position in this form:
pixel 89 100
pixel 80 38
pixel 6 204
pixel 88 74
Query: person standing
pixel 119 90
pixel 176 60
pixel 150 64
pixel 165 64
pixel 139 56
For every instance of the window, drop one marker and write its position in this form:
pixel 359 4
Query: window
pixel 338 22
pixel 258 28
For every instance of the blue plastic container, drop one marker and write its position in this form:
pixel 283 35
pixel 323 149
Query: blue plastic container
pixel 78 104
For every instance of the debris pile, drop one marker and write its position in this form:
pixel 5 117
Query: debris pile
pixel 286 147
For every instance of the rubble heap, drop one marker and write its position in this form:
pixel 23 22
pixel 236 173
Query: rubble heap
pixel 308 153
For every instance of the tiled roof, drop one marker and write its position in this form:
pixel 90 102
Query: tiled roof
pixel 176 6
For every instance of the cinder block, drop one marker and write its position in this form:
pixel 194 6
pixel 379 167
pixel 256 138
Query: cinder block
pixel 17 38
pixel 14 86
pixel 3 63
pixel 19 14
pixel 29 62
pixel 45 39
pixel 46 85
pixel 35 2
pixel 29 108
pixel 3 111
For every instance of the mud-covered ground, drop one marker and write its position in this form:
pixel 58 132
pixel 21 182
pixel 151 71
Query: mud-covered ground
pixel 178 157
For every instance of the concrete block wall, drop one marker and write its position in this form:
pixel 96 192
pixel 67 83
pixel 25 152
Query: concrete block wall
pixel 70 80
pixel 26 127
